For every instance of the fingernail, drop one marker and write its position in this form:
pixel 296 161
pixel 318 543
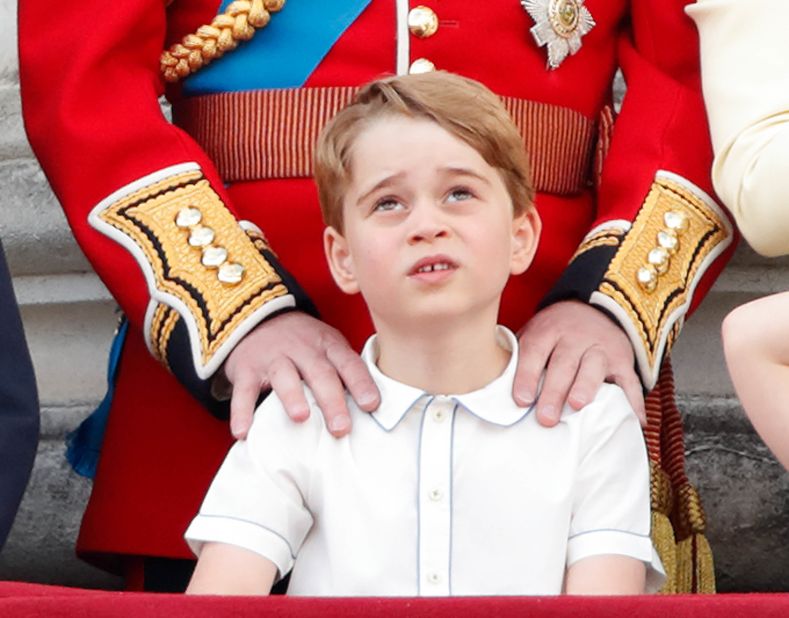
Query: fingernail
pixel 339 424
pixel 300 414
pixel 549 411
pixel 577 401
pixel 525 398
pixel 367 400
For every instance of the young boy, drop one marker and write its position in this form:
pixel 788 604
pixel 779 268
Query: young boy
pixel 448 488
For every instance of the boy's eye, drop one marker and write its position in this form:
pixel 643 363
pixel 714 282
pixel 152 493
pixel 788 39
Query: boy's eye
pixel 459 194
pixel 387 204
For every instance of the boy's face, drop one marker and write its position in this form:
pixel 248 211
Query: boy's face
pixel 429 226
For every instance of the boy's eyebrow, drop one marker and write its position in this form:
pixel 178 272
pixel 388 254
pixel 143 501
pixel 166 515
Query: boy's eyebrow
pixel 452 170
pixel 384 182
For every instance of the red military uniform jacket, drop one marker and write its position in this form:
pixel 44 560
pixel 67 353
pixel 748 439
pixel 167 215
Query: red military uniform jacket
pixel 628 222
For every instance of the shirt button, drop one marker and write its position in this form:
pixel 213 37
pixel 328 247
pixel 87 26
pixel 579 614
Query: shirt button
pixel 436 494
pixel 439 415
pixel 422 22
pixel 421 65
pixel 434 578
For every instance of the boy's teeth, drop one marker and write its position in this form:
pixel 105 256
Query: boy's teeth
pixel 431 267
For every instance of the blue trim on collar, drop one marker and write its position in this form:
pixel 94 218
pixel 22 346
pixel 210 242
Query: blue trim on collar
pixel 284 54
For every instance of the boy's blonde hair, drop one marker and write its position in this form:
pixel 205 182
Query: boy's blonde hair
pixel 463 107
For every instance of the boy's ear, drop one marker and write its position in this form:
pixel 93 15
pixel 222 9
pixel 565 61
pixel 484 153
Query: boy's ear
pixel 340 261
pixel 526 229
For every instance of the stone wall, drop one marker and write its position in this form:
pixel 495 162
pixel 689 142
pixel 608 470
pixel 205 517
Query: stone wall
pixel 69 320
pixel 70 317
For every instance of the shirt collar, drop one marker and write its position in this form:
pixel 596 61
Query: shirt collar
pixel 492 403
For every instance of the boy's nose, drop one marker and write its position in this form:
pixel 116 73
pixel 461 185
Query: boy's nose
pixel 428 233
pixel 428 225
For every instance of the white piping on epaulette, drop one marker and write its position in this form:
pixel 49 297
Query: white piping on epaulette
pixel 618 224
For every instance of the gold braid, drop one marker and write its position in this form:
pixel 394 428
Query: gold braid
pixel 238 23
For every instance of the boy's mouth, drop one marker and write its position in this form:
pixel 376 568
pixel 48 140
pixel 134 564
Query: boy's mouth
pixel 429 268
pixel 433 264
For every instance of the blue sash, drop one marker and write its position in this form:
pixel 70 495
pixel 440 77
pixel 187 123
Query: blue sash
pixel 284 53
pixel 83 445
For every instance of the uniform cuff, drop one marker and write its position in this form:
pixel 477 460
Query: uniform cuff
pixel 211 278
pixel 644 272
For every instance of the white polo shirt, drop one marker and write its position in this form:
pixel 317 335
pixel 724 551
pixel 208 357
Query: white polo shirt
pixel 435 495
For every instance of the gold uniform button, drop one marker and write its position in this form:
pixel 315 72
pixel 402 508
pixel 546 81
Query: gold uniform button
pixel 421 65
pixel 668 240
pixel 214 256
pixel 676 221
pixel 230 273
pixel 201 236
pixel 660 259
pixel 647 278
pixel 189 216
pixel 422 22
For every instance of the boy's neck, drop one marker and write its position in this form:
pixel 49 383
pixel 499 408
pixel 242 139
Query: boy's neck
pixel 451 356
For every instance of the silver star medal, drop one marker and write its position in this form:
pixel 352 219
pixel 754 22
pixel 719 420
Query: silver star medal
pixel 559 24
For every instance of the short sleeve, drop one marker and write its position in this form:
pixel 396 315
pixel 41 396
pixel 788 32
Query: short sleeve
pixel 257 499
pixel 611 504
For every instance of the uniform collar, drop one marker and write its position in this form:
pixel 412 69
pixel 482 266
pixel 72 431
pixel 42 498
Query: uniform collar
pixel 492 403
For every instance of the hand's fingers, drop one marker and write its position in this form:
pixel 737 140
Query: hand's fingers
pixel 354 374
pixel 559 375
pixel 286 383
pixel 322 378
pixel 532 359
pixel 242 404
pixel 630 383
pixel 592 372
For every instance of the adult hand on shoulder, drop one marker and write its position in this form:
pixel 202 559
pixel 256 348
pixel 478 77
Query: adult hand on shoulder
pixel 581 348
pixel 284 351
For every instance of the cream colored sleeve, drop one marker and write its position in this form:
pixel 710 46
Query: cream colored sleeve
pixel 745 73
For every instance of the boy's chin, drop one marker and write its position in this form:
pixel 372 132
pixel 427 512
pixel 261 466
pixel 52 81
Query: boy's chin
pixel 433 316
